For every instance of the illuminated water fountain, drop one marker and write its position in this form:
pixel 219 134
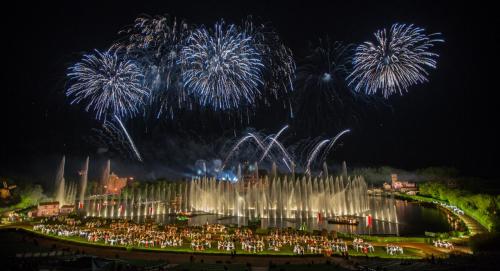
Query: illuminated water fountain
pixel 83 181
pixel 65 194
pixel 280 197
pixel 60 182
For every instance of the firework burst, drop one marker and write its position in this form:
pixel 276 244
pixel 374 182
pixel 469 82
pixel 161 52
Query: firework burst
pixel 322 99
pixel 107 84
pixel 324 68
pixel 398 59
pixel 156 42
pixel 222 68
pixel 277 58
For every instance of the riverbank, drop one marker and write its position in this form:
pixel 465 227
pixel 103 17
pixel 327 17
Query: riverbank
pixel 474 226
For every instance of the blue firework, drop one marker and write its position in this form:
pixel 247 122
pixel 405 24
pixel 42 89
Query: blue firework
pixel 277 58
pixel 156 41
pixel 221 67
pixel 107 85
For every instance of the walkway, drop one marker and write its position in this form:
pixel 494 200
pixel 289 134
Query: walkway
pixel 472 224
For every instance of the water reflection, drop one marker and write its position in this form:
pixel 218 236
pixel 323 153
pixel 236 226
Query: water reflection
pixel 413 219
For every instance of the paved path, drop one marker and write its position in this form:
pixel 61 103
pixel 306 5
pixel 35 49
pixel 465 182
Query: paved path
pixel 425 248
pixel 472 224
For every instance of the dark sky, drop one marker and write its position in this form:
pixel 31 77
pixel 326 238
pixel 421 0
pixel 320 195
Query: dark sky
pixel 450 121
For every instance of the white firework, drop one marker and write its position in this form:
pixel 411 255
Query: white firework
pixel 397 60
pixel 222 68
pixel 107 84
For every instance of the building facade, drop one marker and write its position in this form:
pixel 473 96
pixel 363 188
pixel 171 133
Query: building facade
pixel 46 209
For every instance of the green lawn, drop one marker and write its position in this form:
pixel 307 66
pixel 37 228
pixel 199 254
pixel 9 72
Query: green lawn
pixel 418 198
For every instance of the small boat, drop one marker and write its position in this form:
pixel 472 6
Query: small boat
pixel 187 214
pixel 182 218
pixel 347 220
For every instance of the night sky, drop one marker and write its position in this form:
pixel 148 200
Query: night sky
pixel 450 121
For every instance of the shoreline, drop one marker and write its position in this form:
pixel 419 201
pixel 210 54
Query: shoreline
pixel 473 225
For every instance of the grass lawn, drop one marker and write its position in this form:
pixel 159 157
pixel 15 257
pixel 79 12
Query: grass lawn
pixel 418 198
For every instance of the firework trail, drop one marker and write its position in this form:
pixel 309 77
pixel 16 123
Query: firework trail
pixel 332 143
pixel 322 144
pixel 286 156
pixel 107 84
pixel 112 135
pixel 314 153
pixel 311 150
pixel 221 67
pixel 266 149
pixel 132 145
pixel 249 136
pixel 273 140
pixel 398 59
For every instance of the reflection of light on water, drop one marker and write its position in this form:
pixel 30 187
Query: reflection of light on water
pixel 279 197
pixel 402 214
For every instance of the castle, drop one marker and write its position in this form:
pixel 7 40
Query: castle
pixel 401 186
